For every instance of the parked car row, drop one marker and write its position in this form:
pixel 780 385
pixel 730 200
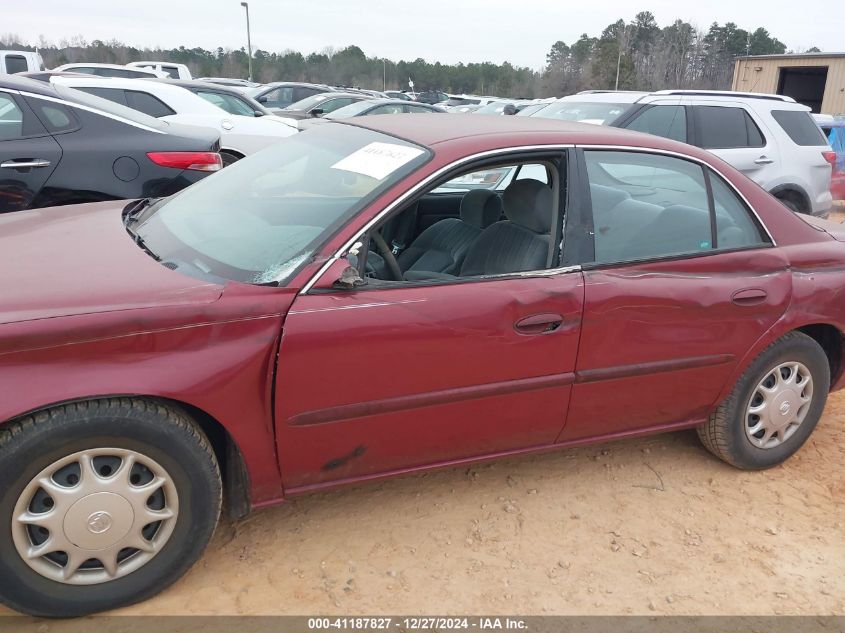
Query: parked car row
pixel 770 138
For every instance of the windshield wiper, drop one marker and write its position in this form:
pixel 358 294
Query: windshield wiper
pixel 130 213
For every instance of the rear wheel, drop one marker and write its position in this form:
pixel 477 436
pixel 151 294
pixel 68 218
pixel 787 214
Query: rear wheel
pixel 774 406
pixel 109 502
pixel 791 201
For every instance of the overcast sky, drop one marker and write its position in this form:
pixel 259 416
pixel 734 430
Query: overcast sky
pixel 449 31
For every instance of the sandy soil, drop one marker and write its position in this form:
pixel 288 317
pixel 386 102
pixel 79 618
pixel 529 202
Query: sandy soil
pixel 649 526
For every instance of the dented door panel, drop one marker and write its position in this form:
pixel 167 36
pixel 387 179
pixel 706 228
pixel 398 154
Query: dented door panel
pixel 383 379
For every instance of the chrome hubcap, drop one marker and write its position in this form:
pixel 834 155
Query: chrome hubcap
pixel 95 516
pixel 778 405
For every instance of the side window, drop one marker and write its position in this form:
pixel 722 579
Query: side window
pixel 171 71
pixel 298 94
pixel 417 109
pixel 16 64
pixel 333 104
pixel 725 128
pixel 646 205
pixel 495 178
pixel 147 103
pixel 11 119
pixel 112 94
pixel 800 127
pixel 387 109
pixel 56 117
pixel 735 226
pixel 662 120
pixel 230 104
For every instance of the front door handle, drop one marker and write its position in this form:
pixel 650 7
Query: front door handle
pixel 538 324
pixel 34 163
pixel 749 296
pixel 764 160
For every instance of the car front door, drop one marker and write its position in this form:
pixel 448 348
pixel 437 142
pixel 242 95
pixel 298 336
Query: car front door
pixel 681 286
pixel 28 154
pixel 389 378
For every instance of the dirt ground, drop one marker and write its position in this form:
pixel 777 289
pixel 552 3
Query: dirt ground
pixel 647 526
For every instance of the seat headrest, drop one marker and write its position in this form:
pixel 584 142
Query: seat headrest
pixel 481 208
pixel 528 203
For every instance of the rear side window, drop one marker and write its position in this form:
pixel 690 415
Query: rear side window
pixel 115 95
pixel 11 119
pixel 171 71
pixel 147 103
pixel 800 127
pixel 726 128
pixel 16 64
pixel 647 206
pixel 668 121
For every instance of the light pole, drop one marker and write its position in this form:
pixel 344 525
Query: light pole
pixel 383 74
pixel 245 5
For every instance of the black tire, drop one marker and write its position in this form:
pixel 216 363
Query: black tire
pixel 789 203
pixel 161 433
pixel 724 434
pixel 229 158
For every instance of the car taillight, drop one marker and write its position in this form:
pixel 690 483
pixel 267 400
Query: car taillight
pixel 830 157
pixel 195 161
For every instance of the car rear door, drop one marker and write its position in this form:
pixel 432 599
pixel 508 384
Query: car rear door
pixel 28 154
pixel 684 281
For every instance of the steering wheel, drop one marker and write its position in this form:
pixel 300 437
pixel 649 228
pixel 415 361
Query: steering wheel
pixel 389 257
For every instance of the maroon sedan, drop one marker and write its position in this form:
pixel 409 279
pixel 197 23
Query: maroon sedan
pixel 379 297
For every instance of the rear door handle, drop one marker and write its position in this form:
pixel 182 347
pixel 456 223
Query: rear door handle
pixel 25 164
pixel 749 296
pixel 539 324
pixel 764 160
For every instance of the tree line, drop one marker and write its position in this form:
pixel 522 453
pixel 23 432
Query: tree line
pixel 635 55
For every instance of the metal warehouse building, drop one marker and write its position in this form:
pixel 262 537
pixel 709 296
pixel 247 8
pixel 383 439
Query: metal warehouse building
pixel 814 79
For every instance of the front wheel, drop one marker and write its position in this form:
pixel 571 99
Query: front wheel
pixel 108 501
pixel 774 406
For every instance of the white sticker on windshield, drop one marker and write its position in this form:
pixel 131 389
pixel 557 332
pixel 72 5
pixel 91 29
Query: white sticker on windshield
pixel 378 160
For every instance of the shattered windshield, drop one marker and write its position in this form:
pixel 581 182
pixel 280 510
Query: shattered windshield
pixel 260 219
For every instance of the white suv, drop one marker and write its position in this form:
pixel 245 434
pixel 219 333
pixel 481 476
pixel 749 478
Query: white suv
pixel 770 138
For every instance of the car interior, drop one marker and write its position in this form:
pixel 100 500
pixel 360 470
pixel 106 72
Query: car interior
pixel 494 221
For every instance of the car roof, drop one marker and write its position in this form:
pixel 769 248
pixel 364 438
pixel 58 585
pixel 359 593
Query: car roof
pixel 610 96
pixel 495 132
pixel 25 84
pixel 194 83
pixel 278 84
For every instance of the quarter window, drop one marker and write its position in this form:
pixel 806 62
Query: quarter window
pixel 725 128
pixel 735 227
pixel 662 120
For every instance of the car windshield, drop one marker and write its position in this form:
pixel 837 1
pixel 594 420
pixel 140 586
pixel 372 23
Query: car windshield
pixel 584 111
pixel 494 107
pixel 109 107
pixel 308 102
pixel 260 219
pixel 353 109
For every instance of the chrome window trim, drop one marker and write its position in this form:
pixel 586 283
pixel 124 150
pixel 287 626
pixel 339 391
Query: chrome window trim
pixel 71 104
pixel 517 149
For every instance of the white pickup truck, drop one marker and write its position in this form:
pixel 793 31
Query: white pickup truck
pixel 173 70
pixel 20 62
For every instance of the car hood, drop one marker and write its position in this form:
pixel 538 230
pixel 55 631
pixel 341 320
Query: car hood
pixel 79 259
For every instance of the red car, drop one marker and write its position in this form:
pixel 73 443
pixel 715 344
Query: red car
pixel 360 302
